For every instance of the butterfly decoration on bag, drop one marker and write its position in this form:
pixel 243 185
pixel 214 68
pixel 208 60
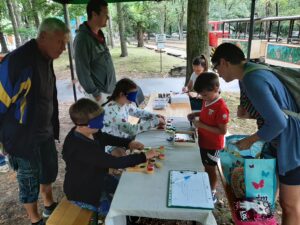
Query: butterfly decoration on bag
pixel 259 185
pixel 264 173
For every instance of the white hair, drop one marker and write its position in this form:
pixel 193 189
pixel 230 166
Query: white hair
pixel 53 25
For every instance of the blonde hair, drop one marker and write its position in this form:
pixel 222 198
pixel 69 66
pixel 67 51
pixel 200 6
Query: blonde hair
pixel 53 25
pixel 82 111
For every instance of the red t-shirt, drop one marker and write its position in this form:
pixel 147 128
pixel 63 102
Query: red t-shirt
pixel 213 114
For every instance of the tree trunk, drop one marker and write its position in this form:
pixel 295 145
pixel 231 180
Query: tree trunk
pixel 110 31
pixel 16 12
pixel 4 48
pixel 197 29
pixel 124 52
pixel 37 21
pixel 180 14
pixel 140 35
pixel 165 19
pixel 14 22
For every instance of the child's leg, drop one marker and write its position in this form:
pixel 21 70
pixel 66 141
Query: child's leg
pixel 212 174
pixel 210 159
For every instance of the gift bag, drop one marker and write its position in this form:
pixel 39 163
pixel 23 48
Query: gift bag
pixel 231 157
pixel 260 179
pixel 253 212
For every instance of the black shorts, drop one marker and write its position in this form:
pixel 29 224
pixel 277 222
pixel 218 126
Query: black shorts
pixel 209 157
pixel 292 177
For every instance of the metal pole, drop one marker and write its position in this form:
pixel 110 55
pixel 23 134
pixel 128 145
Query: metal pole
pixel 70 49
pixel 160 60
pixel 251 28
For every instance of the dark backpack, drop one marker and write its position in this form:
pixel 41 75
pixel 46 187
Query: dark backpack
pixel 290 77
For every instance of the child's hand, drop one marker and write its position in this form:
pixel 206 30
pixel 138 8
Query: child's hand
pixel 162 122
pixel 185 89
pixel 135 145
pixel 191 116
pixel 161 116
pixel 151 154
pixel 193 94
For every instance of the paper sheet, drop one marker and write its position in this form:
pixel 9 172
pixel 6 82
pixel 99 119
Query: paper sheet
pixel 189 189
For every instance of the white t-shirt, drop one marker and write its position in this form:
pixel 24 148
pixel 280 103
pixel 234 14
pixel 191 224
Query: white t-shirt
pixel 193 78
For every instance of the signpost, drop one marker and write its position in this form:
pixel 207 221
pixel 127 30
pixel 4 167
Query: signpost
pixel 160 42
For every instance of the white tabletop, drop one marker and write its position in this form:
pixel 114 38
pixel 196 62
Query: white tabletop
pixel 145 195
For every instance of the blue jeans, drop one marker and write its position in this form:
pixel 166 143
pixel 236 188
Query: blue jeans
pixel 42 168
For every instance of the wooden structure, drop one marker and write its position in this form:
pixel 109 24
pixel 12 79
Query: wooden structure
pixel 174 109
pixel 67 213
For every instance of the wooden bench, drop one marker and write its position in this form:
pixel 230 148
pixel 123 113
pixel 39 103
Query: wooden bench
pixel 67 213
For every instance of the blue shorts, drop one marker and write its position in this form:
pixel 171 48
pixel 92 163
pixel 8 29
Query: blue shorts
pixel 41 169
pixel 292 177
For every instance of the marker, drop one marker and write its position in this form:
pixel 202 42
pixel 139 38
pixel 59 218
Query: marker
pixel 182 179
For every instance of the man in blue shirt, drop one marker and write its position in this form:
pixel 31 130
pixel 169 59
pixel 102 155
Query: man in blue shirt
pixel 29 115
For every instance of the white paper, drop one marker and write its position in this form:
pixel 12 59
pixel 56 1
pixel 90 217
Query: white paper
pixel 189 189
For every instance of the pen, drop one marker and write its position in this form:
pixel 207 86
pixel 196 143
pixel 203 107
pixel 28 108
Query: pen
pixel 182 179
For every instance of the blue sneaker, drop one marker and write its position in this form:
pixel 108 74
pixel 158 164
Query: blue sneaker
pixel 48 210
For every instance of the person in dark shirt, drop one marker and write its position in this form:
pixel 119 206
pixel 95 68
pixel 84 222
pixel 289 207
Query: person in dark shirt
pixel 87 163
pixel 29 115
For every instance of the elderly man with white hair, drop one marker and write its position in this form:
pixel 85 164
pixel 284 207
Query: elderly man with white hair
pixel 29 115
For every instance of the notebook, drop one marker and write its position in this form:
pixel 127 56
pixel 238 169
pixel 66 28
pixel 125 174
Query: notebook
pixel 189 189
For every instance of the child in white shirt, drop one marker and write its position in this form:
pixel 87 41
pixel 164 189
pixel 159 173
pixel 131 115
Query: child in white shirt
pixel 119 107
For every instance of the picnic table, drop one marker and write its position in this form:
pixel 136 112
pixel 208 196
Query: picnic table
pixel 145 195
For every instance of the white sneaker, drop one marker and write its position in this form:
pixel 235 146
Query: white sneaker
pixel 4 168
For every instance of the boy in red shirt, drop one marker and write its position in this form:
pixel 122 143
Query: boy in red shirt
pixel 212 124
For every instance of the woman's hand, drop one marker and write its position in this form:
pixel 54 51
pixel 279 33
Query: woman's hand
pixel 247 142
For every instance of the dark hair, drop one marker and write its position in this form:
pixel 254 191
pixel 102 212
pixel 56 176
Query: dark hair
pixel 229 52
pixel 95 6
pixel 202 61
pixel 122 86
pixel 84 110
pixel 208 81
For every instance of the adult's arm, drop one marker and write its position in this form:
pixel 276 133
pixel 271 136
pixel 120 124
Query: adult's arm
pixel 260 90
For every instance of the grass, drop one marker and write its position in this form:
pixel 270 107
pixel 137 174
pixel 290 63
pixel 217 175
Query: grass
pixel 140 63
pixel 144 61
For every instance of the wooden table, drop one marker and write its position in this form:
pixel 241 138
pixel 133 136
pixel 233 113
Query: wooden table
pixel 172 110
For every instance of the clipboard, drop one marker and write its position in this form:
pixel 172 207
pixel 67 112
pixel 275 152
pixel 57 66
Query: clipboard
pixel 189 189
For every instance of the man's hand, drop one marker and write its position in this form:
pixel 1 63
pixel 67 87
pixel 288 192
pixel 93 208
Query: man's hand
pixel 135 145
pixel 151 154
